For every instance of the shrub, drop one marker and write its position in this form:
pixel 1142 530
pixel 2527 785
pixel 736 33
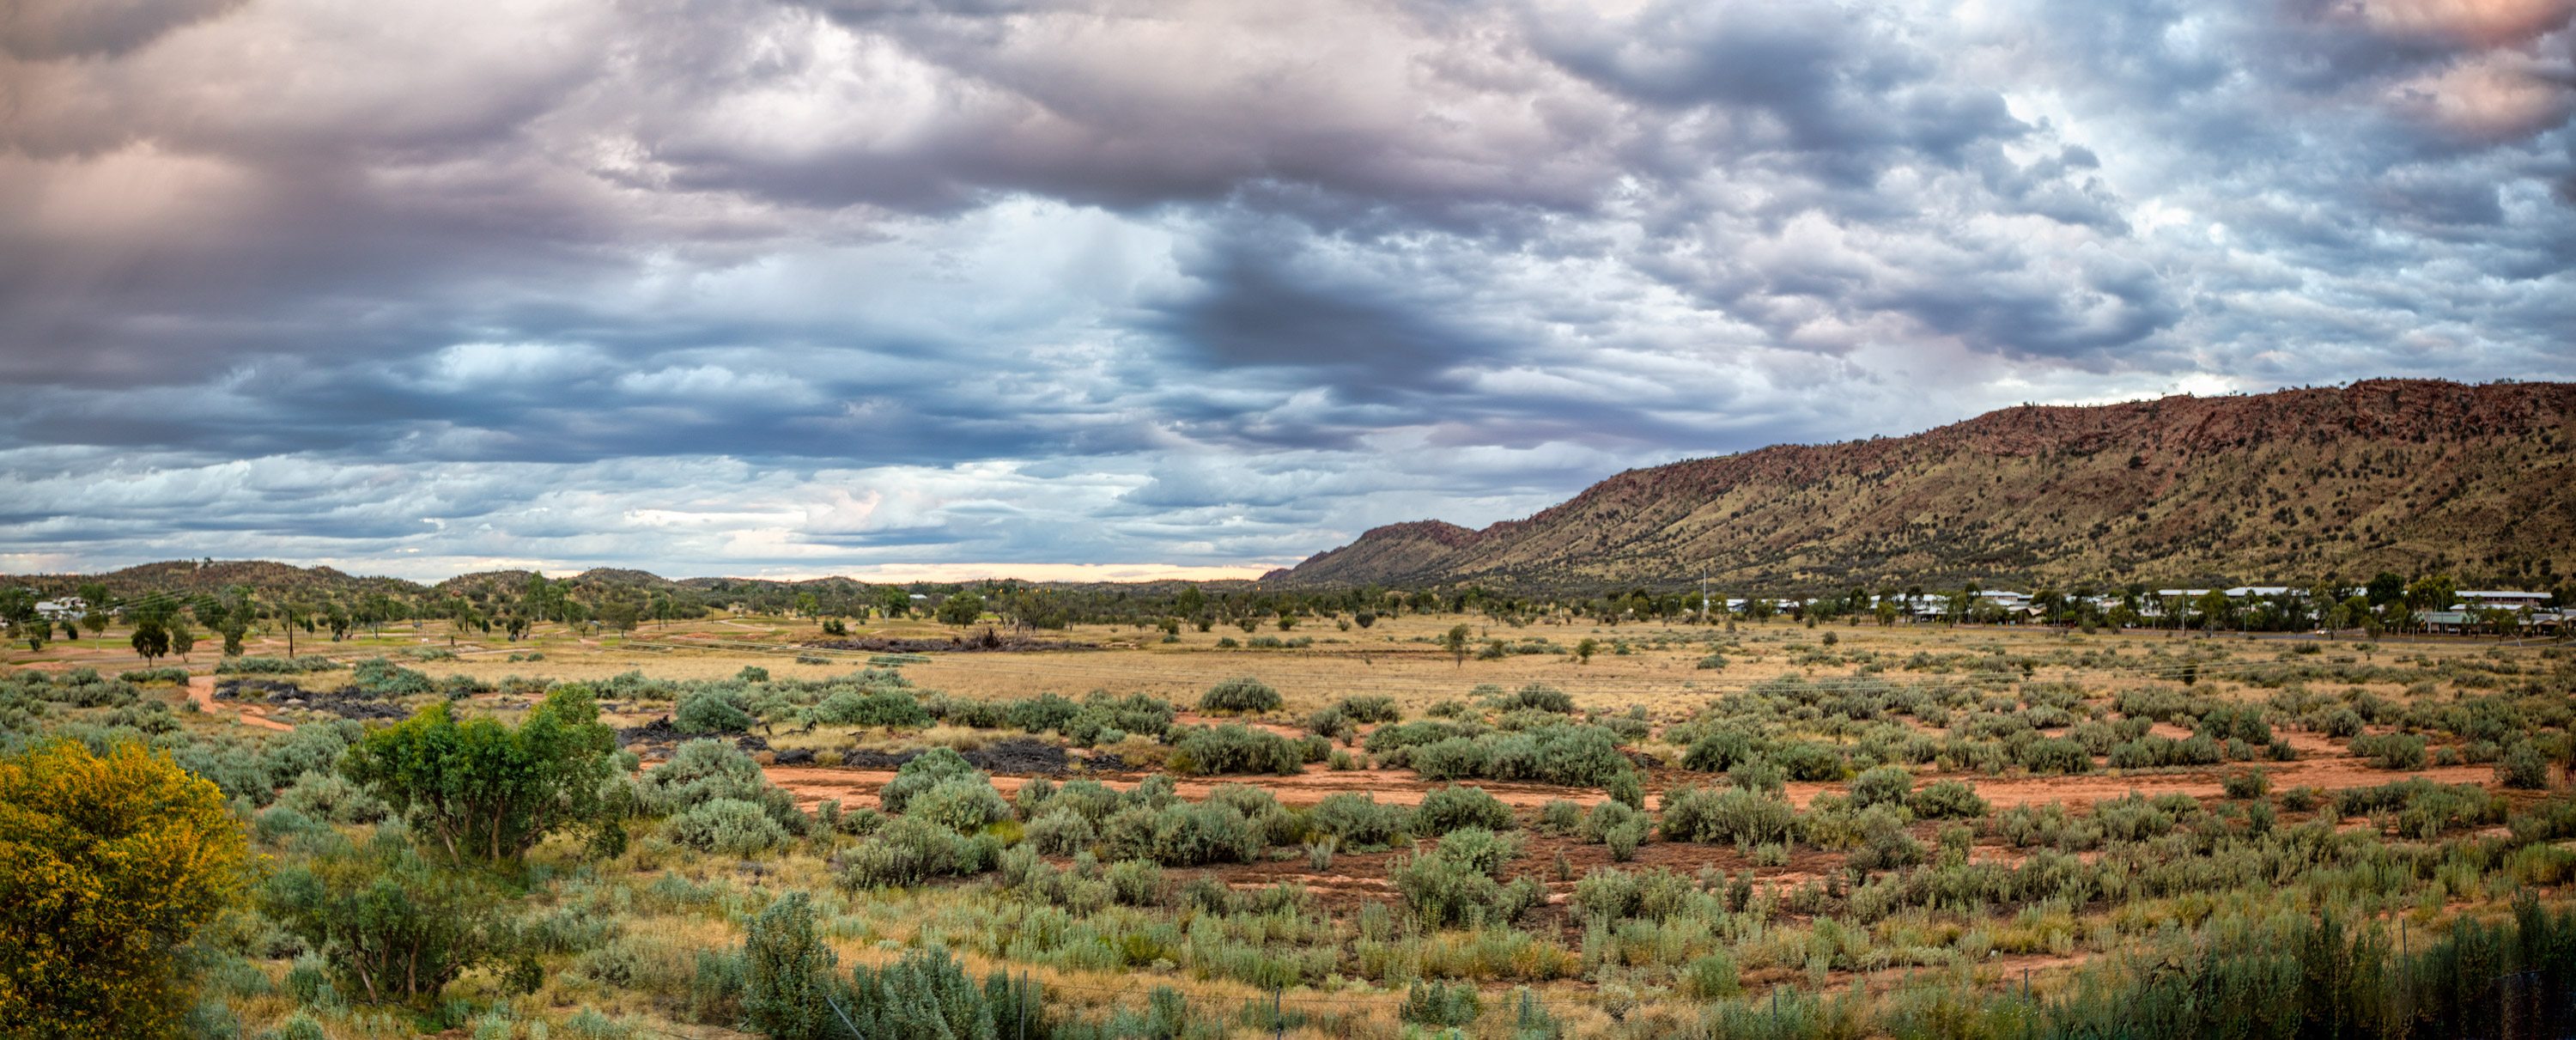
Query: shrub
pixel 787 971
pixel 1440 1004
pixel 1947 800
pixel 394 926
pixel 879 707
pixel 1357 819
pixel 960 803
pixel 2522 767
pixel 109 864
pixel 485 789
pixel 909 851
pixel 1136 882
pixel 1883 785
pixel 1705 815
pixel 1808 761
pixel 1368 708
pixel 2340 723
pixel 925 771
pixel 1060 831
pixel 1446 809
pixel 2056 755
pixel 711 711
pixel 704 770
pixel 2391 750
pixel 1605 818
pixel 727 825
pixel 1235 748
pixel 2244 784
pixel 382 677
pixel 1239 695
pixel 1718 752
pixel 1537 697
pixel 1184 835
pixel 1456 882
pixel 1559 816
pixel 329 796
pixel 1758 774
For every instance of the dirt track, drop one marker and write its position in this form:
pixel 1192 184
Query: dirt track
pixel 201 689
pixel 855 787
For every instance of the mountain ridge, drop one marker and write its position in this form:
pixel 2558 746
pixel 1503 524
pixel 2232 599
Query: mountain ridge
pixel 2400 474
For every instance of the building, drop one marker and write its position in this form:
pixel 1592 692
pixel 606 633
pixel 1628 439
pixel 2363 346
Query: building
pixel 2501 599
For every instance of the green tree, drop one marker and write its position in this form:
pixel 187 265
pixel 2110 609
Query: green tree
pixel 393 926
pixel 962 609
pixel 486 790
pixel 95 604
pixel 151 640
pixel 109 864
pixel 1584 650
pixel 1455 641
pixel 182 638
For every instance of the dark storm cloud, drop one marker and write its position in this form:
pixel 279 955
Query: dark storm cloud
pixel 740 284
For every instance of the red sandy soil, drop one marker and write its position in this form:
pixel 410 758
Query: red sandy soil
pixel 201 689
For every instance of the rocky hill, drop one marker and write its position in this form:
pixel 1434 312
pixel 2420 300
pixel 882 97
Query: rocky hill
pixel 2413 476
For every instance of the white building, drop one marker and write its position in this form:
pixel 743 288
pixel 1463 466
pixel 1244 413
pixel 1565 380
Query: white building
pixel 2502 599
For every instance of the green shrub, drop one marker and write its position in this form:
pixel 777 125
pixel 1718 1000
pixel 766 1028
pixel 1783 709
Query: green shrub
pixel 1060 831
pixel 1446 809
pixel 909 851
pixel 1235 748
pixel 1136 882
pixel 330 796
pixel 880 707
pixel 1606 817
pixel 1239 695
pixel 705 770
pixel 2522 767
pixel 1456 882
pixel 2244 784
pixel 1184 835
pixel 787 972
pixel 1947 800
pixel 2391 750
pixel 1536 697
pixel 2049 755
pixel 962 803
pixel 727 825
pixel 1357 819
pixel 1704 815
pixel 1559 816
pixel 1440 1004
pixel 923 772
pixel 711 711
pixel 382 677
pixel 1718 752
pixel 1367 708
pixel 1758 774
pixel 1882 785
pixel 1808 761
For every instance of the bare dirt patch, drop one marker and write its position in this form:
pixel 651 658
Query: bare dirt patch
pixel 201 691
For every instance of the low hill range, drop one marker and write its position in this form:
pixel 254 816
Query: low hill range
pixel 2412 476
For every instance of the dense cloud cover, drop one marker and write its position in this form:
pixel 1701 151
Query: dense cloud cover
pixel 746 286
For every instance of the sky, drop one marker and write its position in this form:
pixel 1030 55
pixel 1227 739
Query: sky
pixel 1135 288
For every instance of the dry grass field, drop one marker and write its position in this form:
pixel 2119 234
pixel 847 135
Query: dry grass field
pixel 2002 914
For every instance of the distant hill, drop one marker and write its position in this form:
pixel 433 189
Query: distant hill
pixel 2414 476
pixel 189 577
